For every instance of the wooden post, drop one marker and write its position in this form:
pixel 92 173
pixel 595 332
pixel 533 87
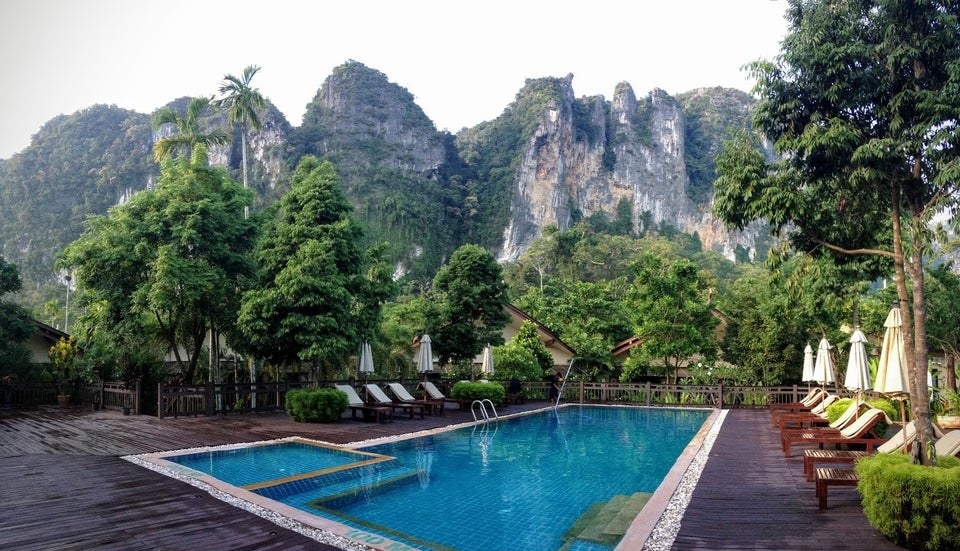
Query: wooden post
pixel 208 399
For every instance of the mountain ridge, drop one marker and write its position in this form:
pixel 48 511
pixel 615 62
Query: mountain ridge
pixel 550 158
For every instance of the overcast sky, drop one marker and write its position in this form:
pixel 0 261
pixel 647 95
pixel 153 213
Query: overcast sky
pixel 464 62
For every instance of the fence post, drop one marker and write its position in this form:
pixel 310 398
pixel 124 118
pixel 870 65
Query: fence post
pixel 648 392
pixel 720 397
pixel 160 404
pixel 208 399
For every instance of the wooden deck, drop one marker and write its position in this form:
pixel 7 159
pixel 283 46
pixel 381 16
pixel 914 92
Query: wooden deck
pixel 750 496
pixel 64 485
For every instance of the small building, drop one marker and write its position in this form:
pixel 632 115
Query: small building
pixel 42 339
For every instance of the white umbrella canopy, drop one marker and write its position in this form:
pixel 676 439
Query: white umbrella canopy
pixel 892 368
pixel 487 366
pixel 823 366
pixel 808 364
pixel 425 359
pixel 858 369
pixel 365 364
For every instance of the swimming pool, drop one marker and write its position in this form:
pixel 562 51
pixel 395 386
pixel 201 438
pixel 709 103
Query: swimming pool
pixel 531 482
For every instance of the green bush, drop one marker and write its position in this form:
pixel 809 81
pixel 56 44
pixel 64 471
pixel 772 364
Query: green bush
pixel 465 390
pixel 315 405
pixel 915 506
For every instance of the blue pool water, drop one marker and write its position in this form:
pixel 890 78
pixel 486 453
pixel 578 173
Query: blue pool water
pixel 519 484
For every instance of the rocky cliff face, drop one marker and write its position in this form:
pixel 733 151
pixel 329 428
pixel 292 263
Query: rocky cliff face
pixel 549 159
pixel 633 151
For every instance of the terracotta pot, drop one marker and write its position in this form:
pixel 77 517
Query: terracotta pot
pixel 63 400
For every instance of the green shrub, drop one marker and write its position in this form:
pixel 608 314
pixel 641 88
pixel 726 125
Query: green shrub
pixel 315 405
pixel 465 390
pixel 915 506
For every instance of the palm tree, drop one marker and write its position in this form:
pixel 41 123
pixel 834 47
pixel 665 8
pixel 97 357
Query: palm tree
pixel 242 103
pixel 188 133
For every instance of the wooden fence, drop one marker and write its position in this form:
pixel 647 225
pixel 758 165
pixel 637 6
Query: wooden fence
pixel 223 399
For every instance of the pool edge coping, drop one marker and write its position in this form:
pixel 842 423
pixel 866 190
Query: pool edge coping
pixel 641 531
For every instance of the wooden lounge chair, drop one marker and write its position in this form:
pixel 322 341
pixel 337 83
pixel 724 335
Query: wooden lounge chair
pixel 431 392
pixel 848 416
pixel 816 416
pixel 807 403
pixel 401 394
pixel 901 441
pixel 949 444
pixel 858 432
pixel 378 397
pixel 356 404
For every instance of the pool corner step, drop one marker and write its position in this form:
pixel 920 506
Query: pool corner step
pixel 606 523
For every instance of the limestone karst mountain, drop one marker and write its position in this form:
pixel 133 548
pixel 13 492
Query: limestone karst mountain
pixel 550 158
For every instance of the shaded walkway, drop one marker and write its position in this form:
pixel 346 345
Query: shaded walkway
pixel 750 496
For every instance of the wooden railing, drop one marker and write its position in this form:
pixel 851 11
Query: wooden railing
pixel 224 399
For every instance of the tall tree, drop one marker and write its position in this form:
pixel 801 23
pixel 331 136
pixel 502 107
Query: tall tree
pixel 179 253
pixel 15 324
pixel 862 108
pixel 242 103
pixel 673 317
pixel 470 293
pixel 306 307
pixel 186 133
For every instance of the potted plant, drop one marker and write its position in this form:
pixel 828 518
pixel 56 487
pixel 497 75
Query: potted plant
pixel 949 414
pixel 62 356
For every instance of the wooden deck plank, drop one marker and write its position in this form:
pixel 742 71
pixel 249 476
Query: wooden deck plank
pixel 750 496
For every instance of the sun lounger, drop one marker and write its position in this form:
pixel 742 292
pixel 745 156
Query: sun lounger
pixel 901 441
pixel 846 418
pixel 402 395
pixel 858 432
pixel 431 392
pixel 378 397
pixel 357 404
pixel 813 397
pixel 949 444
pixel 816 416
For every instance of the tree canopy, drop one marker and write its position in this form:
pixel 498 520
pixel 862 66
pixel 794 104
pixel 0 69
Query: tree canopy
pixel 15 324
pixel 862 108
pixel 177 254
pixel 470 294
pixel 310 285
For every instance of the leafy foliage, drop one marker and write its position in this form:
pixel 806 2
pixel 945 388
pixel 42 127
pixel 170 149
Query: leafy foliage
pixel 15 325
pixel 513 361
pixel 303 307
pixel 470 293
pixel 528 338
pixel 469 391
pixel 913 506
pixel 315 405
pixel 177 254
pixel 674 320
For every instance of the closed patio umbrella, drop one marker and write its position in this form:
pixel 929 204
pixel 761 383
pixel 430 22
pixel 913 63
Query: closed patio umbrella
pixel 823 366
pixel 365 364
pixel 425 359
pixel 808 364
pixel 857 378
pixel 892 379
pixel 858 369
pixel 487 366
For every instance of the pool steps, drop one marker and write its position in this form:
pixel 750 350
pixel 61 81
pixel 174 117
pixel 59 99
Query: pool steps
pixel 343 486
pixel 605 523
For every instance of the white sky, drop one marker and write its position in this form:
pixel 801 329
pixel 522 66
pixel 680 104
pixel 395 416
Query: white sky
pixel 464 62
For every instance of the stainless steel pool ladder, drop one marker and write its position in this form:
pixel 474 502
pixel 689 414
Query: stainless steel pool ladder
pixel 484 414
